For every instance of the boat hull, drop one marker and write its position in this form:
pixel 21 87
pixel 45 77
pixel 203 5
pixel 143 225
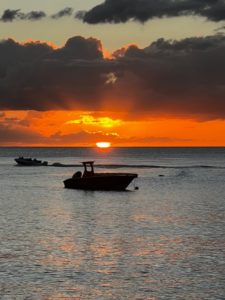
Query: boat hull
pixel 106 182
pixel 27 162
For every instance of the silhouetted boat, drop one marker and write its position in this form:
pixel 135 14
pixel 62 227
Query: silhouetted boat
pixel 30 162
pixel 90 180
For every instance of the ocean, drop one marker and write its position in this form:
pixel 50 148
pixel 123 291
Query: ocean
pixel 163 241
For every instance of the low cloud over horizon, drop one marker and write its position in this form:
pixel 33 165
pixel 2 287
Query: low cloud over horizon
pixel 179 78
pixel 15 131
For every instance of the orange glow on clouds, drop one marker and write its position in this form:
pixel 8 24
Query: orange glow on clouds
pixel 49 43
pixel 101 121
pixel 79 128
pixel 120 52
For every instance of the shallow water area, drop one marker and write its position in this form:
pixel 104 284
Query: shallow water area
pixel 163 241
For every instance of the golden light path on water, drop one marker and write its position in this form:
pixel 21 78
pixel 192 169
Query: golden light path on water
pixel 164 241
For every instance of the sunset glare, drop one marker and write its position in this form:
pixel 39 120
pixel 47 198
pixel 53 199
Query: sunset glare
pixel 103 144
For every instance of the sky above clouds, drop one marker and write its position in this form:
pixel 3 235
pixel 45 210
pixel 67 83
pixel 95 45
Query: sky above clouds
pixel 111 35
pixel 75 72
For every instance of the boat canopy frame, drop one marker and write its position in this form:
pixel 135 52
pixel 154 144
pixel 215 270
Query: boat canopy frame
pixel 88 168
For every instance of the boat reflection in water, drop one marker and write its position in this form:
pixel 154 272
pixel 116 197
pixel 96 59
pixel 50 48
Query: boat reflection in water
pixel 90 180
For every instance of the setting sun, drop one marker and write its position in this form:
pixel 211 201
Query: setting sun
pixel 103 144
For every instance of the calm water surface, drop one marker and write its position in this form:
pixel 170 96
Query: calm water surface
pixel 164 241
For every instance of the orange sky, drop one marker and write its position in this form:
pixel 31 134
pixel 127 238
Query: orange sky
pixel 79 128
pixel 153 106
pixel 70 82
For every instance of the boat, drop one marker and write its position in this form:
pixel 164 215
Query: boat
pixel 22 161
pixel 90 180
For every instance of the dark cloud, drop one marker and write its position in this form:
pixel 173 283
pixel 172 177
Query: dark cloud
pixel 35 15
pixel 19 136
pixel 80 48
pixel 180 78
pixel 12 15
pixel 63 13
pixel 35 76
pixel 120 11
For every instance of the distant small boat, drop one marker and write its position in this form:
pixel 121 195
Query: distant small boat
pixel 22 161
pixel 90 180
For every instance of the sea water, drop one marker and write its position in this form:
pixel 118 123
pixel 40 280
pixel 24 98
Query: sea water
pixel 163 241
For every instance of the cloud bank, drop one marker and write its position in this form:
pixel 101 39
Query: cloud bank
pixel 178 78
pixel 121 11
pixel 20 132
